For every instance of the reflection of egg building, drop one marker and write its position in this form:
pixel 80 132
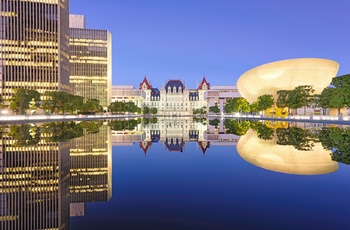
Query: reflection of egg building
pixel 284 158
pixel 286 75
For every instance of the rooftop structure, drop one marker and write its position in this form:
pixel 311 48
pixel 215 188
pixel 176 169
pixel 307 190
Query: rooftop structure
pixel 286 75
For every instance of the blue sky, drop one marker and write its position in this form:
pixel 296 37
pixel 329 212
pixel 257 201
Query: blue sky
pixel 221 39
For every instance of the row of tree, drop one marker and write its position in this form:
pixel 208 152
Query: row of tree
pixel 29 135
pixel 123 107
pixel 337 96
pixel 334 139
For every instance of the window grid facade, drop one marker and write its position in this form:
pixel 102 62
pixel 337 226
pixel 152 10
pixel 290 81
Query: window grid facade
pixel 90 64
pixel 34 185
pixel 34 46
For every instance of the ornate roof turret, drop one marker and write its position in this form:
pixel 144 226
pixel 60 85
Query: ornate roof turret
pixel 204 145
pixel 145 84
pixel 204 84
pixel 174 145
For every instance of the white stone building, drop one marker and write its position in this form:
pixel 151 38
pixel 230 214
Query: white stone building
pixel 174 98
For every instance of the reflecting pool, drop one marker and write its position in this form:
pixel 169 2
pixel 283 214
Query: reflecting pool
pixel 174 173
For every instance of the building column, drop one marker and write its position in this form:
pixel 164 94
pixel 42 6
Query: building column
pixel 221 105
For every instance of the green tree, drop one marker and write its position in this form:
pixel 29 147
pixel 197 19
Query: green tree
pixel 116 107
pixel 283 99
pixel 265 101
pixel 295 99
pixel 254 107
pixel 332 98
pixel 153 120
pixel 301 139
pixel 2 103
pixel 59 101
pixel 336 140
pixel 124 124
pixel 145 110
pixel 92 127
pixel 262 130
pixel 145 120
pixel 24 135
pixel 62 131
pixel 55 101
pixel 202 110
pixel 214 109
pixel 237 127
pixel 214 122
pixel 75 103
pixel 237 105
pixel 337 95
pixel 21 99
pixel 91 106
pixel 303 95
pixel 154 111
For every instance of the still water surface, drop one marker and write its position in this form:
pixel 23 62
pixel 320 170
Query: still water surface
pixel 178 174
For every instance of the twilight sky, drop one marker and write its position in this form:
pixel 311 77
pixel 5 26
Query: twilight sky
pixel 221 39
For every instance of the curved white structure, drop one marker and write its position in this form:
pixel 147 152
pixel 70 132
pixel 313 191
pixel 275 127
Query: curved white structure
pixel 286 75
pixel 284 158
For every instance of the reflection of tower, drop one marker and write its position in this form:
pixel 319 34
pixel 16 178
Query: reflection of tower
pixel 91 168
pixel 204 145
pixel 34 185
pixel 145 145
pixel 174 144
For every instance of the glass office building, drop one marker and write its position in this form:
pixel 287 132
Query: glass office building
pixel 34 51
pixel 90 61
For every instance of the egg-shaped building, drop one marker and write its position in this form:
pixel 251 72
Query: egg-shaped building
pixel 286 75
pixel 285 158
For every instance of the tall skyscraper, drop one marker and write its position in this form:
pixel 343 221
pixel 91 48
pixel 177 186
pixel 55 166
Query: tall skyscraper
pixel 34 45
pixel 90 61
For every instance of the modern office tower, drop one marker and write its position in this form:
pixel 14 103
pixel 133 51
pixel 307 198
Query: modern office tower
pixel 34 51
pixel 90 61
pixel 34 180
pixel 91 167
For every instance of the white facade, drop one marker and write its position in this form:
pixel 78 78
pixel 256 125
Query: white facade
pixel 218 95
pixel 127 93
pixel 174 98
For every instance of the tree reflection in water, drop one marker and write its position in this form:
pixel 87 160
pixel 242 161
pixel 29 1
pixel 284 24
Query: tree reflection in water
pixel 332 138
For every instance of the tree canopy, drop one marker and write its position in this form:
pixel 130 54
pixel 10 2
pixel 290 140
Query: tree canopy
pixel 22 98
pixel 265 101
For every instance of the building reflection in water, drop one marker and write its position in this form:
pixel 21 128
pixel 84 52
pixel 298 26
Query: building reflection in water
pixel 269 155
pixel 173 133
pixel 39 177
pixel 90 169
pixel 46 177
pixel 34 191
